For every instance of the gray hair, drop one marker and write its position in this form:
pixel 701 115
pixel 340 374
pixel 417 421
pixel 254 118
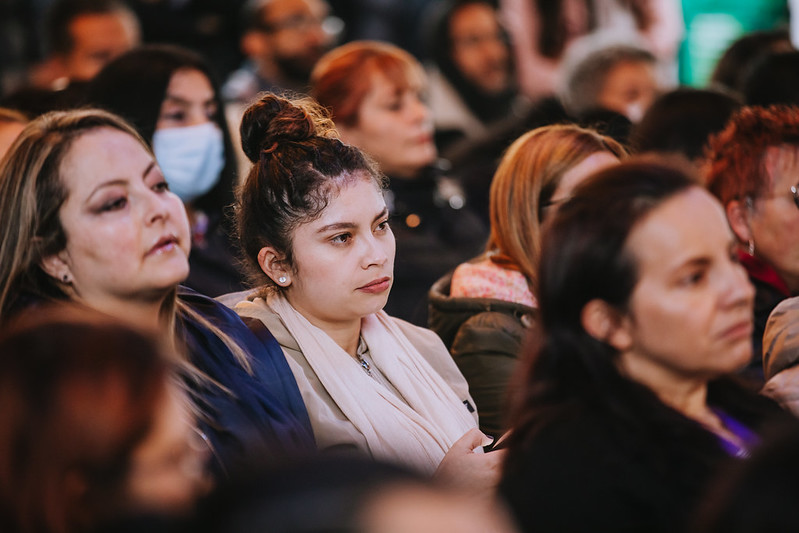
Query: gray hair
pixel 586 68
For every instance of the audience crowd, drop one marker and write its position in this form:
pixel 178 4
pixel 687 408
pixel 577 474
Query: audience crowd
pixel 418 266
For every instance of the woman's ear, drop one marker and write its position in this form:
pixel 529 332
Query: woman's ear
pixel 274 265
pixel 605 323
pixel 56 267
pixel 738 217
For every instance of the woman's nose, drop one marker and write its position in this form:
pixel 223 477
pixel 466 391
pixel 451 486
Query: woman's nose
pixel 156 207
pixel 737 289
pixel 419 111
pixel 375 253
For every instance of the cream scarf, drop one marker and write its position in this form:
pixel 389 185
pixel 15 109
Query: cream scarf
pixel 418 433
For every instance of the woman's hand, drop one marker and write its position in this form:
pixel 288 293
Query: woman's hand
pixel 783 388
pixel 475 472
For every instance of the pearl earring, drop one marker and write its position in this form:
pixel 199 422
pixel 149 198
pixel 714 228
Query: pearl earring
pixel 282 280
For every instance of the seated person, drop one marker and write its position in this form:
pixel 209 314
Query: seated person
pixel 314 229
pixel 752 167
pixel 610 77
pixel 170 95
pixel 485 309
pixel 629 407
pixel 470 67
pixel 86 216
pixel 375 93
pixel 95 428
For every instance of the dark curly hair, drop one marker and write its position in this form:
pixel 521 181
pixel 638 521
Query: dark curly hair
pixel 298 164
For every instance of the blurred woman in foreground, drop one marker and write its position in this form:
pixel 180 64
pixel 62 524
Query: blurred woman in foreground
pixel 645 309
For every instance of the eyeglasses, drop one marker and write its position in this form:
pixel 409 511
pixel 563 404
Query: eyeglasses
pixel 750 203
pixel 304 23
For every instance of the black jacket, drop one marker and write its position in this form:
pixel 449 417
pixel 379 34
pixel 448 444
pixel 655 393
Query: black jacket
pixel 587 469
pixel 435 232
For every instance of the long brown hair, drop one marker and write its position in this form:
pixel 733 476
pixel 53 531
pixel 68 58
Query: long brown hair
pixel 31 196
pixel 298 163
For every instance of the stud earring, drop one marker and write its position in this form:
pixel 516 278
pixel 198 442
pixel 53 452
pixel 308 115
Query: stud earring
pixel 65 278
pixel 282 280
pixel 751 249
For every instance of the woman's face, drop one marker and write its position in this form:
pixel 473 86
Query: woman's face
pixel 577 174
pixel 344 259
pixel 168 468
pixel 127 234
pixel 395 127
pixel 629 89
pixel 690 313
pixel 774 217
pixel 189 100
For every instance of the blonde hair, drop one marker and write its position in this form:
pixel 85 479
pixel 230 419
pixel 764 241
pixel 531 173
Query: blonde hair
pixel 8 115
pixel 31 195
pixel 527 176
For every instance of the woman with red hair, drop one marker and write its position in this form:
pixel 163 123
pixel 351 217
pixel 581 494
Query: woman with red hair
pixel 374 92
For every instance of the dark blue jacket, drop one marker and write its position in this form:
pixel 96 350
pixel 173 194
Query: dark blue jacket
pixel 259 414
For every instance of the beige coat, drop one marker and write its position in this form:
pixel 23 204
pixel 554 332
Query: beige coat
pixel 331 427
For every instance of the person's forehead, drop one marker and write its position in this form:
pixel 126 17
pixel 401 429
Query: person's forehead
pixel 94 27
pixel 279 9
pixel 473 15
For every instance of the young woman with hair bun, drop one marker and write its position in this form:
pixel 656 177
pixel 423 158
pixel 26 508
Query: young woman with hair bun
pixel 313 225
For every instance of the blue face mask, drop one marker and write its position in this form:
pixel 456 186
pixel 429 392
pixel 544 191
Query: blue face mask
pixel 191 158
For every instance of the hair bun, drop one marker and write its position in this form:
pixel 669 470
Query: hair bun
pixel 274 119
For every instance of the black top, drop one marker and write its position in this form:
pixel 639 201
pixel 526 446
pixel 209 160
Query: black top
pixel 434 234
pixel 587 470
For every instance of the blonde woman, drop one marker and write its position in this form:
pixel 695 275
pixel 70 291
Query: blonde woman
pixel 486 307
pixel 87 216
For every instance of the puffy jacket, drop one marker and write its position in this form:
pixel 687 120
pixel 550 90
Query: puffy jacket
pixel 485 337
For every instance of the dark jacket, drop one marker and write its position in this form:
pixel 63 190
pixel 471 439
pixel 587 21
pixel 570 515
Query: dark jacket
pixel 770 290
pixel 587 469
pixel 435 232
pixel 263 414
pixel 213 262
pixel 485 337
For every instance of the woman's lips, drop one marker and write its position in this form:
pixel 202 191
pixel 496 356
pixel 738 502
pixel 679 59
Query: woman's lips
pixel 376 286
pixel 164 245
pixel 741 330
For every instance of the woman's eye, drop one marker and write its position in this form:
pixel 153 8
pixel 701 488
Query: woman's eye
pixel 161 186
pixel 395 105
pixel 115 204
pixel 382 227
pixel 341 239
pixel 693 278
pixel 177 116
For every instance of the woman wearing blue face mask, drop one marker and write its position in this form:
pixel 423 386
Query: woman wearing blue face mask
pixel 172 98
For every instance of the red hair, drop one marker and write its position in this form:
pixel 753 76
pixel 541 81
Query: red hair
pixel 735 166
pixel 343 77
